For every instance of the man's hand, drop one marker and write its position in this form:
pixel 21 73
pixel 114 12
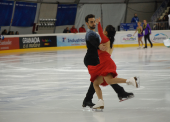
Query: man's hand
pixel 102 47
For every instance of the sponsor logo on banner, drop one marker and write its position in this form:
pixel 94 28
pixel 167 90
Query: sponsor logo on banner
pixel 29 42
pixel 129 38
pixel 48 41
pixel 9 43
pixel 159 37
pixel 71 40
pixel 36 42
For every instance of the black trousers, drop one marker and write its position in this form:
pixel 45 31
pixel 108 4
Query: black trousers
pixel 89 96
pixel 147 37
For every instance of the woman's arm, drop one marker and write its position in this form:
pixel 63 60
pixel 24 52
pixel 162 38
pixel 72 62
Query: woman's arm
pixel 100 31
pixel 141 29
pixel 135 32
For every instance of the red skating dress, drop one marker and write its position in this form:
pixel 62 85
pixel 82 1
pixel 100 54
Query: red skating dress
pixel 106 66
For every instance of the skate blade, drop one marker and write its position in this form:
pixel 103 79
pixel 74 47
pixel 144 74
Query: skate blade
pixel 131 96
pixel 87 108
pixel 98 109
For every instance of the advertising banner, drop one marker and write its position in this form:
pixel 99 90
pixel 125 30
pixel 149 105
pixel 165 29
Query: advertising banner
pixel 48 41
pixel 9 43
pixel 71 40
pixel 36 42
pixel 128 38
pixel 158 37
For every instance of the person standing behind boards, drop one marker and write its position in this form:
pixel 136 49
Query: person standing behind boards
pixel 135 19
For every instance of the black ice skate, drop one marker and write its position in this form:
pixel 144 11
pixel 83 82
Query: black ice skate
pixel 125 96
pixel 88 103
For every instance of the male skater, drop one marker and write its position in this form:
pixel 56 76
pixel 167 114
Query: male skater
pixel 92 58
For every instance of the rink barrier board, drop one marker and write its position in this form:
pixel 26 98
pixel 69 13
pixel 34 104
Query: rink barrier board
pixel 43 49
pixel 60 41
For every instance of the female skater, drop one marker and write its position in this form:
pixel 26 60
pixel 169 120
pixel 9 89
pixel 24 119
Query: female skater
pixel 140 34
pixel 105 72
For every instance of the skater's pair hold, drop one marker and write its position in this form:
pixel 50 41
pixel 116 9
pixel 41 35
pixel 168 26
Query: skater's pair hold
pixel 105 72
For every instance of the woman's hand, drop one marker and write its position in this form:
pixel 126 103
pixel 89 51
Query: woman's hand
pixel 98 20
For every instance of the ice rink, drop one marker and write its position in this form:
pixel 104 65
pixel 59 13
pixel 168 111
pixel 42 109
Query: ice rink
pixel 51 86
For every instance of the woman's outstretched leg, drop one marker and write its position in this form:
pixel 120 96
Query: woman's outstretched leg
pixel 110 80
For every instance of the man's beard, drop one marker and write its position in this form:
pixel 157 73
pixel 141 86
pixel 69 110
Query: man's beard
pixel 92 27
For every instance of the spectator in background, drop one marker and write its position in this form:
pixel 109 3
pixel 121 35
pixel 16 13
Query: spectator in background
pixel 16 33
pixel 82 29
pixel 158 25
pixel 73 29
pixel 67 30
pixel 135 19
pixel 163 19
pixel 166 17
pixel 9 33
pixel 12 33
pixel 159 20
pixel 4 32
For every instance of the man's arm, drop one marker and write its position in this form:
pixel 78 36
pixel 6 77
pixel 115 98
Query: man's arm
pixel 149 28
pixel 94 40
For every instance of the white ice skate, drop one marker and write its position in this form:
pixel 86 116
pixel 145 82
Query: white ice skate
pixel 139 47
pixel 134 81
pixel 99 105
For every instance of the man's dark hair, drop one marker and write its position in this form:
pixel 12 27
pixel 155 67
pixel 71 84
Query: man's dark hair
pixel 89 16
